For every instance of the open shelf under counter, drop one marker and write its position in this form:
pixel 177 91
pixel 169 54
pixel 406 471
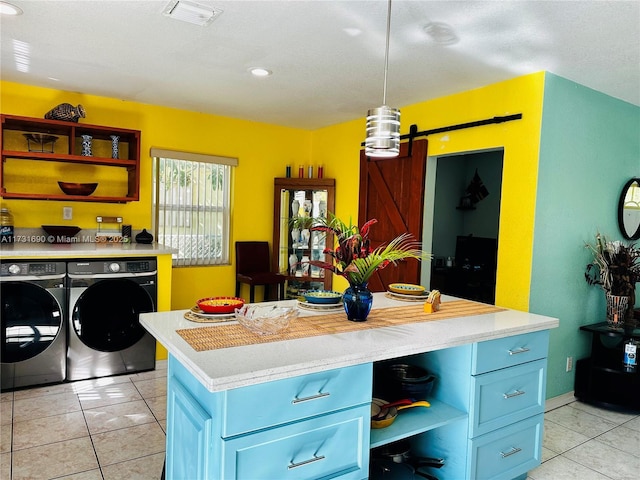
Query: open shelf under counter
pixel 416 420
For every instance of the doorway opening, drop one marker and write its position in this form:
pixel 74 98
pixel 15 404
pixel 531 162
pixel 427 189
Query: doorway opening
pixel 461 223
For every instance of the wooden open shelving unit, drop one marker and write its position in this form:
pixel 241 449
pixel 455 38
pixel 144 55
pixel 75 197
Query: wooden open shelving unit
pixel 68 151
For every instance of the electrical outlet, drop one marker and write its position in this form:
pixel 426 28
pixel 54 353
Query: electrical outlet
pixel 569 364
pixel 67 213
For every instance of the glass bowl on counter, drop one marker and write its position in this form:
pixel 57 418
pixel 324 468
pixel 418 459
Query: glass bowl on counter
pixel 265 320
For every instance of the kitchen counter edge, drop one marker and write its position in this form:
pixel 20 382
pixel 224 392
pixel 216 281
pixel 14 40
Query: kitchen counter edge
pixel 66 250
pixel 228 368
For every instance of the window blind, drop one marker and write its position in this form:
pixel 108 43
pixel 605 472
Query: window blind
pixel 192 206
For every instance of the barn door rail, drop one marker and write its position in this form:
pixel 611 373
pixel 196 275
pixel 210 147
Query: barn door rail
pixel 414 133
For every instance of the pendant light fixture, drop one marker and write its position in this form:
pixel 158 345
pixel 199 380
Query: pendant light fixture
pixel 383 123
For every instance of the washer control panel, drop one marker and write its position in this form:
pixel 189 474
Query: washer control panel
pixel 24 269
pixel 112 266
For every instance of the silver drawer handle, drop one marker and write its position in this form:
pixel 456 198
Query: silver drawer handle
pixel 312 397
pixel 306 462
pixel 514 394
pixel 518 350
pixel 513 451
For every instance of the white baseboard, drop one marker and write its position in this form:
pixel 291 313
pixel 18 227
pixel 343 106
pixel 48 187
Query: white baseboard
pixel 559 401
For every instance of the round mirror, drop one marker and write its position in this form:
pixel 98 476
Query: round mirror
pixel 629 210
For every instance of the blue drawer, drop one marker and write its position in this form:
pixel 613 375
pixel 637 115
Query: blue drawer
pixel 506 352
pixel 323 447
pixel 508 452
pixel 275 403
pixel 507 396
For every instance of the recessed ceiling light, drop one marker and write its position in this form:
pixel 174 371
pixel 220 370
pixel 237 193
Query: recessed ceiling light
pixel 9 9
pixel 260 72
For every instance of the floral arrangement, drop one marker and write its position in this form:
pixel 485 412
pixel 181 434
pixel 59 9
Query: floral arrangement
pixel 615 267
pixel 353 257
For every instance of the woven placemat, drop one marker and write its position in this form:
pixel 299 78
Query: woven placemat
pixel 225 336
pixel 194 317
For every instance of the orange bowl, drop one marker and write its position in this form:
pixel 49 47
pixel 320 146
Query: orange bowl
pixel 220 304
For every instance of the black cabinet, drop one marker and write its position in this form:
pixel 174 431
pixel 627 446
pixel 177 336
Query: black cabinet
pixel 602 378
pixel 477 284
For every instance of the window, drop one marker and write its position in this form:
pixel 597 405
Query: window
pixel 192 206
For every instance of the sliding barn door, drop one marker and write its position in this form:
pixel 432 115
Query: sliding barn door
pixel 392 191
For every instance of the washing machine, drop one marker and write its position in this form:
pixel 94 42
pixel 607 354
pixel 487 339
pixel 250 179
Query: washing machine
pixel 33 346
pixel 106 296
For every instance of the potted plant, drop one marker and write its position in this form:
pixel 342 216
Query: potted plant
pixel 616 268
pixel 355 260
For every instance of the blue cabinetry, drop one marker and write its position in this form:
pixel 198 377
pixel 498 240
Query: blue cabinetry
pixel 311 426
pixel 486 418
pixel 500 387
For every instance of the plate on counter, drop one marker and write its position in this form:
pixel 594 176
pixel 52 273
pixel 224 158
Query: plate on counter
pixel 197 315
pixel 408 297
pixel 320 307
pixel 324 297
pixel 406 288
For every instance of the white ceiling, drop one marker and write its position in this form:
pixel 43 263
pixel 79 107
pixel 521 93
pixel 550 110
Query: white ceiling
pixel 327 57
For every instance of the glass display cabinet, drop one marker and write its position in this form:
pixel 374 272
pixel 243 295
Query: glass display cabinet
pixel 293 243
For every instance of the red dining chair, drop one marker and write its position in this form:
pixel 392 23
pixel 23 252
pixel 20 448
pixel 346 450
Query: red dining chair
pixel 253 267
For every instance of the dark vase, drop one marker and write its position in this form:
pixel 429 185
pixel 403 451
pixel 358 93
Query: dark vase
pixel 357 301
pixel 144 237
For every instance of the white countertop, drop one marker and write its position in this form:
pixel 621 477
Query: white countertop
pixel 223 369
pixel 66 250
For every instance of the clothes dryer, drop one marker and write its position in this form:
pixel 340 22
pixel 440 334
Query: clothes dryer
pixel 106 297
pixel 33 334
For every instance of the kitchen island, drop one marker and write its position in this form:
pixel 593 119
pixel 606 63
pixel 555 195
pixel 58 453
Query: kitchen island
pixel 300 408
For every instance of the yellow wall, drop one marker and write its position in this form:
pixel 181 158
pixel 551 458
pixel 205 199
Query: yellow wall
pixel 264 151
pixel 520 140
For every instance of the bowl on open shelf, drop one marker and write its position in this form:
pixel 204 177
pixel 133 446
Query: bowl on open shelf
pixel 40 142
pixel 83 189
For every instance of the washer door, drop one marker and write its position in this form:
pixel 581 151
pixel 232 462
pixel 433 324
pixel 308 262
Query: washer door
pixel 31 320
pixel 105 317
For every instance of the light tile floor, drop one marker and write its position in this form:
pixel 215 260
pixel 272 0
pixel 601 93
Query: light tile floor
pixel 583 442
pixel 104 429
pixel 114 429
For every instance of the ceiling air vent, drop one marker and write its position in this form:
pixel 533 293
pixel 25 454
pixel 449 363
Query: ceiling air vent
pixel 191 12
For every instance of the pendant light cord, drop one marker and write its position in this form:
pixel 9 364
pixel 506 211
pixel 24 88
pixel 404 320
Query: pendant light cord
pixel 386 56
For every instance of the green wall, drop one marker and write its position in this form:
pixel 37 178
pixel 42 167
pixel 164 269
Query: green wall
pixel 590 146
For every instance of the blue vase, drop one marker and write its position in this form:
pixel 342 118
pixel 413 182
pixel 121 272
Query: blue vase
pixel 357 301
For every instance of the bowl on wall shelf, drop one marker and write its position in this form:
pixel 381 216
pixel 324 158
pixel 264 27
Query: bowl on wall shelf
pixel 83 189
pixel 40 142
